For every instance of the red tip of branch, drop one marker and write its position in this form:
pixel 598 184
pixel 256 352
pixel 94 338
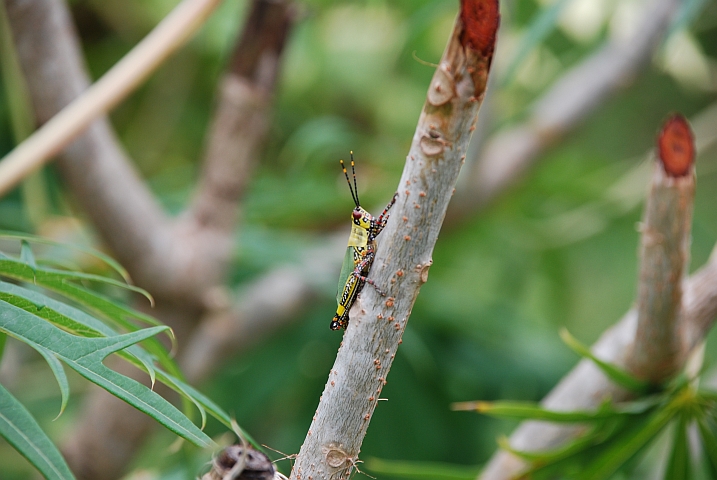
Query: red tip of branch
pixel 676 146
pixel 480 20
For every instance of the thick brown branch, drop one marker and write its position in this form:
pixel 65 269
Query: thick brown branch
pixel 576 95
pixel 333 442
pixel 664 256
pixel 241 119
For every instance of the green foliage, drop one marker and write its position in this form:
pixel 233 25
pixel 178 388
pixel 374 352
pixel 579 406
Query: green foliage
pixel 21 430
pixel 616 434
pixel 63 333
pixel 557 250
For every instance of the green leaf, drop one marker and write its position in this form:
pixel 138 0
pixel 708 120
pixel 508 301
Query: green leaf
pixel 709 445
pixel 679 463
pixel 59 281
pixel 21 430
pixel 85 356
pixel 422 470
pixel 76 321
pixel 71 320
pixel 534 411
pixel 26 255
pixel 60 376
pixel 89 251
pixel 627 445
pixel 616 374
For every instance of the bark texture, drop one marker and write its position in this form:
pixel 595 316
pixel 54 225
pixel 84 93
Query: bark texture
pixel 333 442
pixel 658 350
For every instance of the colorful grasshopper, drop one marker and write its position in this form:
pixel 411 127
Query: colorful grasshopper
pixel 359 253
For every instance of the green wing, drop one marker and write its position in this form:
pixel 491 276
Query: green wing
pixel 346 268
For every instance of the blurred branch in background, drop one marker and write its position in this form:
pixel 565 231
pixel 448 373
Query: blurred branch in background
pixel 657 353
pixel 182 263
pixel 508 154
pixel 660 324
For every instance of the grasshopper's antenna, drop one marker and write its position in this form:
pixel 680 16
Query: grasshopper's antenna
pixel 346 174
pixel 353 172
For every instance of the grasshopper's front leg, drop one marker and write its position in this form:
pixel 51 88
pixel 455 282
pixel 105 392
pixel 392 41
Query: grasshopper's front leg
pixel 364 266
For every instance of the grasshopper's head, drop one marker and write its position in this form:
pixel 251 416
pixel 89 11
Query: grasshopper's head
pixel 361 218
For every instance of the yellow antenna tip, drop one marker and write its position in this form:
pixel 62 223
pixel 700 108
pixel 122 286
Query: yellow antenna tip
pixel 351 152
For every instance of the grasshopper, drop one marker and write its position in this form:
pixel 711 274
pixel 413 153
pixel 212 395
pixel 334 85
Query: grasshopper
pixel 360 253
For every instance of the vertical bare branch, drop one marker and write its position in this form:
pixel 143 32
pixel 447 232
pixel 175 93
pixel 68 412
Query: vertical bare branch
pixel 662 318
pixel 241 120
pixel 664 256
pixel 333 442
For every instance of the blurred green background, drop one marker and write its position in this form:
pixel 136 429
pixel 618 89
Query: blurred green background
pixel 549 253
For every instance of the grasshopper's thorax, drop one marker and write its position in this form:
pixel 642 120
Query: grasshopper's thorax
pixel 361 224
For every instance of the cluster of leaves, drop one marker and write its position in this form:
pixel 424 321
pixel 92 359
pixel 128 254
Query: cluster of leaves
pixel 81 337
pixel 617 433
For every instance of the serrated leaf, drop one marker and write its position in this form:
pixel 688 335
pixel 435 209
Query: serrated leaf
pixel 21 430
pixel 618 375
pixel 679 464
pixel 85 356
pixel 89 251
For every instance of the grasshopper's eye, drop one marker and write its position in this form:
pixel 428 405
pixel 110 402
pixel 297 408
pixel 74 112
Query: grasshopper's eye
pixel 357 214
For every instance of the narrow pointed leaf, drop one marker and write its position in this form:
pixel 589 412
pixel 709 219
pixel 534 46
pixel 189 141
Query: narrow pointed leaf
pixel 679 463
pixel 627 445
pixel 78 322
pixel 85 356
pixel 618 375
pixel 421 470
pixel 709 445
pixel 61 282
pixel 89 251
pixel 72 319
pixel 60 376
pixel 21 430
pixel 26 254
pixel 533 411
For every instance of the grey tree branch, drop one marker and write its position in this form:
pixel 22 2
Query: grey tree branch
pixel 115 85
pixel 508 154
pixel 333 442
pixel 180 261
pixel 626 344
pixel 241 120
pixel 664 257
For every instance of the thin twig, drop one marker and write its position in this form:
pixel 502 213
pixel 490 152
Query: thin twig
pixel 332 445
pixel 107 92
